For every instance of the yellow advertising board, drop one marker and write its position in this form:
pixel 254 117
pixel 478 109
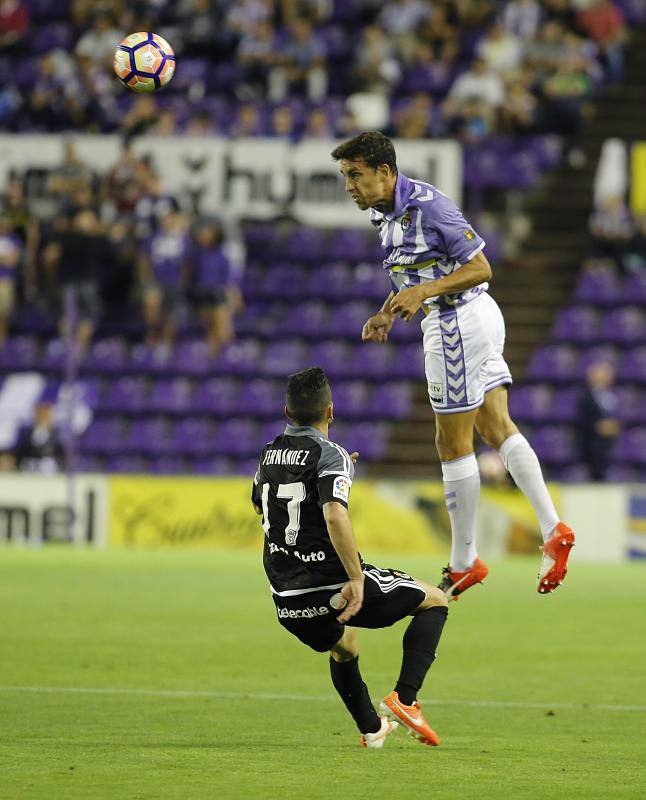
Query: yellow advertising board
pixel 217 512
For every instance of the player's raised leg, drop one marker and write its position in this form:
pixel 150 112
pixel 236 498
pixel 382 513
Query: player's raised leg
pixel 499 431
pixel 347 680
pixel 454 440
pixel 420 643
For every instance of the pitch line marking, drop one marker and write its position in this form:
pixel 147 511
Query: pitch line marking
pixel 179 693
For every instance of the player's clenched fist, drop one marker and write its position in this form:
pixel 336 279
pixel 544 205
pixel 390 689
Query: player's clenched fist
pixel 377 327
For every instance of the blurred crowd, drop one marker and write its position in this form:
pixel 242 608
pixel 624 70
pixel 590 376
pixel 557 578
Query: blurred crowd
pixel 293 68
pixel 115 240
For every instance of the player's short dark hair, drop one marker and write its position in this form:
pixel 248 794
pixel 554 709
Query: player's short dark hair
pixel 373 147
pixel 308 395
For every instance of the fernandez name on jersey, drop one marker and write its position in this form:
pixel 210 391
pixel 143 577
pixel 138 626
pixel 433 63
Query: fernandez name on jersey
pixel 300 471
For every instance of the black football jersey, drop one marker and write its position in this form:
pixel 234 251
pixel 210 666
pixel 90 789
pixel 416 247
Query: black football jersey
pixel 300 471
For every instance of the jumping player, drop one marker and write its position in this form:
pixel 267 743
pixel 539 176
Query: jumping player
pixel 436 263
pixel 302 490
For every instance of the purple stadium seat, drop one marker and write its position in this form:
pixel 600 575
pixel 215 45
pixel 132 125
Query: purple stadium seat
pixel 334 356
pixel 217 396
pixel 603 352
pixel 87 463
pixel 631 446
pixel 407 362
pixel 192 357
pixel 600 286
pixel 54 354
pixel 308 319
pixel 107 355
pixel 634 288
pixel 578 324
pixel 283 282
pixel 330 281
pixel 237 438
pixel 170 396
pixel 194 436
pixel 348 319
pixel 216 465
pixel 51 37
pixel 530 404
pixel 564 405
pixel 166 465
pixel 631 405
pixel 304 245
pixel 124 396
pixel 350 400
pixel 239 358
pixel 554 363
pixel 625 326
pixel 370 439
pixel 349 245
pixel 283 357
pixel 19 353
pixel 149 360
pixel 103 436
pixel 390 401
pixel 261 398
pixel 125 463
pixel 148 436
pixel 369 282
pixel 632 366
pixel 554 444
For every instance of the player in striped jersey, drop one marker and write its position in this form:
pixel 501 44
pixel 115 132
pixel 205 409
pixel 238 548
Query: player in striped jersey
pixel 436 263
pixel 302 489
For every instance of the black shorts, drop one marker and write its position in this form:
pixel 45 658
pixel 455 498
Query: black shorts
pixel 389 595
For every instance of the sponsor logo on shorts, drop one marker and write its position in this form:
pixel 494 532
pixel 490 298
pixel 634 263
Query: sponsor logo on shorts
pixel 436 391
pixel 341 488
pixel 303 613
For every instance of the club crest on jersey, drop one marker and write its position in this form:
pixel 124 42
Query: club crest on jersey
pixel 406 221
pixel 469 235
pixel 341 488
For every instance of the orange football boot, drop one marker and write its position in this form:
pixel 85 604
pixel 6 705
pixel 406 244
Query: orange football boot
pixel 556 552
pixel 454 583
pixel 410 717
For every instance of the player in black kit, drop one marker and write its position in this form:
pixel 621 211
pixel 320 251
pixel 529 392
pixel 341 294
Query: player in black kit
pixel 302 490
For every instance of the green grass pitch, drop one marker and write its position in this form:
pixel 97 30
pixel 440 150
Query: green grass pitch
pixel 165 675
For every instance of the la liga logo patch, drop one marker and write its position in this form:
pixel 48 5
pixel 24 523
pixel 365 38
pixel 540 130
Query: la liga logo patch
pixel 341 488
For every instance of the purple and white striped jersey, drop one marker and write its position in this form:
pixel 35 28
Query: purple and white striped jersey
pixel 425 238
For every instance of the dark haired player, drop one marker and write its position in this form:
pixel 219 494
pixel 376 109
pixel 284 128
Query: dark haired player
pixel 436 263
pixel 302 490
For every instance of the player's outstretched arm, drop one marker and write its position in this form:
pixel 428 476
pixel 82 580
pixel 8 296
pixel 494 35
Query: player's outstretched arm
pixel 339 527
pixel 377 327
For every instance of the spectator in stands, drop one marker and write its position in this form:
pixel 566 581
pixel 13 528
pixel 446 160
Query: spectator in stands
pixel 561 11
pixel 376 68
pixel 164 276
pixel 565 92
pixel 256 54
pixel 201 123
pixel 523 18
pixel 11 250
pixel 611 228
pixel 249 121
pixel 141 117
pixel 518 113
pixel 200 27
pixel 213 288
pixel 604 23
pixel 402 19
pixel 472 121
pixel 70 178
pixel 14 24
pixel 543 54
pixel 500 49
pixel 478 83
pixel 122 184
pixel 77 257
pixel 418 118
pixel 301 67
pixel 39 446
pixel 318 125
pixel 153 203
pixel 440 35
pixel 596 419
pixel 425 73
pixel 101 40
pixel 26 227
pixel 51 104
pixel 282 124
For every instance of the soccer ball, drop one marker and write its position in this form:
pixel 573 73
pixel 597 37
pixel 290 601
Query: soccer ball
pixel 144 62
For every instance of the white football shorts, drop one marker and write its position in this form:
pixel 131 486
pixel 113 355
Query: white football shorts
pixel 463 348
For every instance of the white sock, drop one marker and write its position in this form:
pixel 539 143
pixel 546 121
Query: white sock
pixel 461 492
pixel 522 463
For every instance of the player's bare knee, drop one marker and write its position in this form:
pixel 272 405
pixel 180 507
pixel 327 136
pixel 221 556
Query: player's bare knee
pixel 347 647
pixel 434 597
